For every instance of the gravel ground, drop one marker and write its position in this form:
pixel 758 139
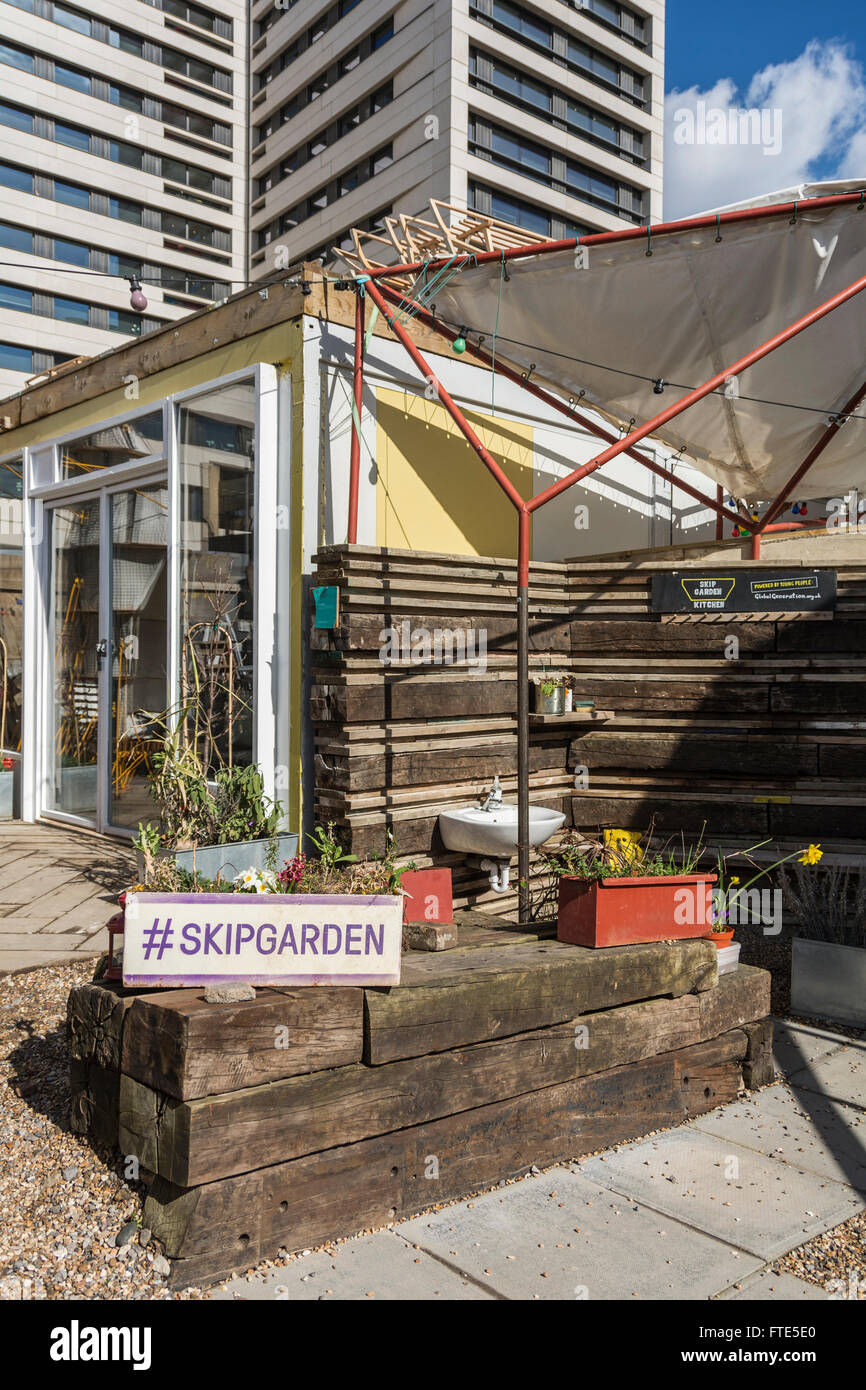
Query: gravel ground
pixel 837 1254
pixel 63 1201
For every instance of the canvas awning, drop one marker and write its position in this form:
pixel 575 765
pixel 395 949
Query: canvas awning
pixel 702 300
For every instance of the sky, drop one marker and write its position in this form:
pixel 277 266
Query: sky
pixel 799 67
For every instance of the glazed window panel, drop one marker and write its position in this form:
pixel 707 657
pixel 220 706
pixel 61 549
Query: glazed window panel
pixel 216 437
pixel 105 448
pixel 11 600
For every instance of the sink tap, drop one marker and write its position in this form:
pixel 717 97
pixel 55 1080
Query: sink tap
pixel 494 796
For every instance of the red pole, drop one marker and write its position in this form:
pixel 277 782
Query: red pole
pixel 355 455
pixel 720 524
pixel 453 409
pixel 568 411
pixel 523 548
pixel 541 248
pixel 831 431
pixel 700 392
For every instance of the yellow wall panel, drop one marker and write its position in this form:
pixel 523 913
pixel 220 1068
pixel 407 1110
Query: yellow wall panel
pixel 433 492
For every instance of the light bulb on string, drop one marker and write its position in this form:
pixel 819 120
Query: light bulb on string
pixel 137 298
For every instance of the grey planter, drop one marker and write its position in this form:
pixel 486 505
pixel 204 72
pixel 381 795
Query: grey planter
pixel 549 704
pixel 7 794
pixel 228 860
pixel 828 981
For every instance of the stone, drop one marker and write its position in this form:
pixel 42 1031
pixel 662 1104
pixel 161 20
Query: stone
pixel 228 993
pixel 144 1236
pixel 126 1233
pixel 161 1266
pixel 70 1172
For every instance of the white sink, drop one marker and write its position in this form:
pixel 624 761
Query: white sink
pixel 494 832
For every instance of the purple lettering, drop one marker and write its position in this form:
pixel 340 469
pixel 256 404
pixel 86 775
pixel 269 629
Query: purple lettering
pixel 190 933
pixel 353 945
pixel 309 933
pixel 326 949
pixel 245 933
pixel 210 938
pixel 378 945
pixel 269 927
pixel 288 941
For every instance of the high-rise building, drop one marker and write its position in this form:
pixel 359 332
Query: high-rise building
pixel 548 115
pixel 197 147
pixel 124 152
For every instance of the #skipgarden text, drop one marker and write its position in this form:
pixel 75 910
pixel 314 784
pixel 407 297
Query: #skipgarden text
pixel 266 939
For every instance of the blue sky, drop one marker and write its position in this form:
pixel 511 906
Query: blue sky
pixel 803 64
pixel 735 38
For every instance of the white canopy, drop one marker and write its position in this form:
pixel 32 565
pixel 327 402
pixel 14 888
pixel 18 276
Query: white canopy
pixel 688 312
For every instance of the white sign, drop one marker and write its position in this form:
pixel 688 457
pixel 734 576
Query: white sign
pixel 178 939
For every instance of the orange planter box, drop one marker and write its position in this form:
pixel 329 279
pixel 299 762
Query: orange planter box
pixel 428 896
pixel 627 911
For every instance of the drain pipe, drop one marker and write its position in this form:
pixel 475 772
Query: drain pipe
pixel 498 872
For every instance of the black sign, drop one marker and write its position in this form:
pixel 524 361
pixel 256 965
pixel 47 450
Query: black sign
pixel 743 591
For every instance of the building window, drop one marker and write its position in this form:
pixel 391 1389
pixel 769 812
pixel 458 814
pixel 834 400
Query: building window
pixel 72 194
pixel 71 251
pixel 124 321
pixel 17 298
pixel 16 238
pixel 71 310
pixel 19 179
pixel 125 210
pixel 71 77
pixel 72 19
pixel 15 117
pixel 15 359
pixel 71 135
pixel 492 202
pixel 15 57
pixel 216 435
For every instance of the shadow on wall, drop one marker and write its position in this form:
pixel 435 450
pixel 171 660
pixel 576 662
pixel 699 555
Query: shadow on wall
pixel 435 493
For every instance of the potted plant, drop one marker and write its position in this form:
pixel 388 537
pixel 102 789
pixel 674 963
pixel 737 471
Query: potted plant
pixel 216 826
pixel 828 952
pixel 549 695
pixel 616 894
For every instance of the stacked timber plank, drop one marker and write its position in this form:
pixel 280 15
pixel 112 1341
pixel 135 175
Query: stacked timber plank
pixel 305 1115
pixel 752 723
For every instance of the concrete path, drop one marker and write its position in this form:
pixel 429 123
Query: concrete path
pixel 694 1213
pixel 58 888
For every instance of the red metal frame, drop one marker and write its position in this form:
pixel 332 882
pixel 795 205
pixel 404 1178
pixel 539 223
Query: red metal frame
pixel 542 248
pixel 525 508
pixel 569 411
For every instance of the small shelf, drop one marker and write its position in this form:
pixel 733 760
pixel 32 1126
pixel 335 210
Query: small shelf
pixel 577 716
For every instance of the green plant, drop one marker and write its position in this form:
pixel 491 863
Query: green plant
pixel 329 849
pixel 828 906
pixel 578 856
pixel 549 685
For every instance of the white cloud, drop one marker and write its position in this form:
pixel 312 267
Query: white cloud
pixel 813 122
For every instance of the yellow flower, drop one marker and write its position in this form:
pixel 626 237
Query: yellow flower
pixel 812 855
pixel 735 880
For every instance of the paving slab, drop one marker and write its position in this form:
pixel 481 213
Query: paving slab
pixel 764 1206
pixel 767 1287
pixel 58 888
pixel 562 1236
pixel 379 1266
pixel 796 1045
pixel 840 1074
pixel 798 1127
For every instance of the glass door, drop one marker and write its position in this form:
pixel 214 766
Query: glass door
pixel 136 661
pixel 108 649
pixel 73 784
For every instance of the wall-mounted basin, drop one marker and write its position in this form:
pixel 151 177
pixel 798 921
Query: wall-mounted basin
pixel 473 831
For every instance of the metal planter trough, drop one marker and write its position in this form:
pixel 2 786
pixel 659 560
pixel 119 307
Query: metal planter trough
pixel 828 981
pixel 228 860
